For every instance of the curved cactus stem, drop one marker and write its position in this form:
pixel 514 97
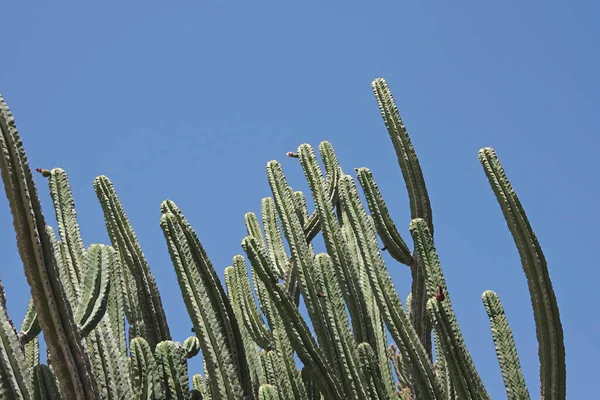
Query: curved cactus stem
pixel 434 277
pixel 268 392
pixel 44 384
pixel 389 303
pixel 296 328
pixel 30 328
pixel 15 379
pixel 69 357
pixel 506 350
pixel 170 372
pixel 151 323
pixel 384 224
pixel 249 313
pixel 549 329
pixel 207 305
pixel 372 373
pixel 141 362
pixel 95 286
pixel 192 346
pixel 420 206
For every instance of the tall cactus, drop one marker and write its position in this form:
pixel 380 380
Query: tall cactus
pixel 250 329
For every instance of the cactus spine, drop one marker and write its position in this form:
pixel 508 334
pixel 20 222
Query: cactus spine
pixel 249 329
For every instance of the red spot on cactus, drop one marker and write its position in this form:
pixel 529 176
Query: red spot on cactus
pixel 45 173
pixel 291 154
pixel 440 294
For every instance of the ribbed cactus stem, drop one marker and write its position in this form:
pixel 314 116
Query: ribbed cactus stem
pixel 15 379
pixel 549 329
pixel 207 305
pixel 170 372
pixel 146 313
pixel 389 303
pixel 95 286
pixel 69 356
pixel 384 224
pixel 296 328
pixel 141 363
pixel 506 350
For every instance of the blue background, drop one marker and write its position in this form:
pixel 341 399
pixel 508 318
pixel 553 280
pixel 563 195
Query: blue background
pixel 189 100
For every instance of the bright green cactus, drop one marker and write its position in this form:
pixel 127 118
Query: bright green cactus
pixel 249 328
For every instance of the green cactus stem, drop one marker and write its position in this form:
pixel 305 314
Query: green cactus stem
pixel 506 350
pixel 146 312
pixel 549 329
pixel 15 379
pixel 70 360
pixel 211 312
pixel 386 228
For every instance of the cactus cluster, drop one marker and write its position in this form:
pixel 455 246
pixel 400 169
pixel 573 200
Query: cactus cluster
pixel 107 335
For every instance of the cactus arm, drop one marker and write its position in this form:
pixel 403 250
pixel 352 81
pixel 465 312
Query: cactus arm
pixel 30 328
pixel 224 383
pixel 95 286
pixel 253 228
pixel 14 372
pixel 66 216
pixel 346 271
pixel 170 371
pixel 32 352
pixel 191 346
pixel 268 392
pixel 141 362
pixel 198 389
pixel 340 334
pixel 44 384
pixel 372 373
pixel 154 327
pixel 420 206
pixel 197 268
pixel 115 308
pixel 250 346
pixel 506 350
pixel 296 328
pixel 277 252
pixel 433 276
pixel 302 254
pixel 384 224
pixel 389 303
pixel 249 313
pixel 281 381
pixel 70 359
pixel 545 309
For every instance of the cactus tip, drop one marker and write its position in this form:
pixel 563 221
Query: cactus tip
pixel 292 154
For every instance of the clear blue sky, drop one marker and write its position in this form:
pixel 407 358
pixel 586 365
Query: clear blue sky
pixel 189 100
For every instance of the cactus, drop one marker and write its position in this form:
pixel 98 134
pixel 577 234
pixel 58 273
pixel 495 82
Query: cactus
pixel 249 328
